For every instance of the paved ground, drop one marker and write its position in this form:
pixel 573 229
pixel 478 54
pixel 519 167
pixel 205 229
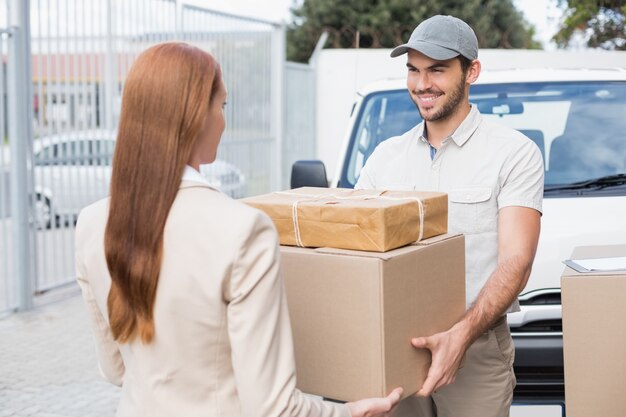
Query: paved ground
pixel 47 363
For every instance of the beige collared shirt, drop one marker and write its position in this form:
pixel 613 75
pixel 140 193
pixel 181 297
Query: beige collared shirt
pixel 483 166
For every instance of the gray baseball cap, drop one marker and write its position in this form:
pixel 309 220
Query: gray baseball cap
pixel 441 38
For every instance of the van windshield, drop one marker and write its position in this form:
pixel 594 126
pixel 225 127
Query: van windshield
pixel 579 127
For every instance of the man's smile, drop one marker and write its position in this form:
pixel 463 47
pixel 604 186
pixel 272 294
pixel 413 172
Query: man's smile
pixel 428 98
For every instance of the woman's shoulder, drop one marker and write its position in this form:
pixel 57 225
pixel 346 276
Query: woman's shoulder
pixel 94 211
pixel 202 197
pixel 208 206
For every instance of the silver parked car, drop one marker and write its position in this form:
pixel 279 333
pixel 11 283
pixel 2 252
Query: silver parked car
pixel 73 170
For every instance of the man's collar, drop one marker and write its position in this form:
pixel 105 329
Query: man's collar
pixel 462 133
pixel 467 128
pixel 420 130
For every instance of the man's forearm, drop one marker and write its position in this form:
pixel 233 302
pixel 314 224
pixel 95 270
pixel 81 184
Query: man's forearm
pixel 500 291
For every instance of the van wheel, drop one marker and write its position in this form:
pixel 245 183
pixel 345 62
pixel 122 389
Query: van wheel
pixel 42 212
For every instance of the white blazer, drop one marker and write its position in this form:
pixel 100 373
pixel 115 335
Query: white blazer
pixel 223 343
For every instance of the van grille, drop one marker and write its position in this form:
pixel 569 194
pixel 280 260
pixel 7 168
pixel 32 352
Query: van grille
pixel 542 326
pixel 551 298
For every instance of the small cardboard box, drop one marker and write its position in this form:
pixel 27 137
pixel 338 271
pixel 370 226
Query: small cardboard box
pixel 354 219
pixel 594 336
pixel 354 313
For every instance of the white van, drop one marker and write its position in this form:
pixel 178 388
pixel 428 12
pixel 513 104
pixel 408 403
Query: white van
pixel 577 118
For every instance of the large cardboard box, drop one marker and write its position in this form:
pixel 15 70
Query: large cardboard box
pixel 354 313
pixel 354 219
pixel 594 337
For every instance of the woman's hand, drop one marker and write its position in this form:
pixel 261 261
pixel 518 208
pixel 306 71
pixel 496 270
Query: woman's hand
pixel 375 407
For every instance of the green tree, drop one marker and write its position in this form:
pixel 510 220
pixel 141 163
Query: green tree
pixel 387 23
pixel 603 21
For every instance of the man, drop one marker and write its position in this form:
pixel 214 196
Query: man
pixel 494 179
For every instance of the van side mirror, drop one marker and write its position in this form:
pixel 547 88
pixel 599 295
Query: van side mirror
pixel 308 174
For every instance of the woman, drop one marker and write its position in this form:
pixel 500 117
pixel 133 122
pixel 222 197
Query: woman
pixel 183 283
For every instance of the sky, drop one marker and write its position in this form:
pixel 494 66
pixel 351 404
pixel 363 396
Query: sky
pixel 543 14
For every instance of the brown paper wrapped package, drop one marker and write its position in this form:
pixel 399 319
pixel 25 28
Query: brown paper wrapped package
pixel 368 220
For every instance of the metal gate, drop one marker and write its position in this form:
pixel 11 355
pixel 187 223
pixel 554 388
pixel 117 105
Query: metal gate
pixel 8 291
pixel 251 53
pixel 77 54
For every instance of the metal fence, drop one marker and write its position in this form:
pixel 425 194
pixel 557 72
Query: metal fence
pixel 8 291
pixel 251 53
pixel 80 53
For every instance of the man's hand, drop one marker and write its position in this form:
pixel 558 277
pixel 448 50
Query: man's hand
pixel 447 349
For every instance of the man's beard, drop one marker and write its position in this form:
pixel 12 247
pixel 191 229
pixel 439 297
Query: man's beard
pixel 449 107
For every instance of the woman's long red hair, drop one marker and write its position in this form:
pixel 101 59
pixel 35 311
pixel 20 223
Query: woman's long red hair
pixel 165 103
